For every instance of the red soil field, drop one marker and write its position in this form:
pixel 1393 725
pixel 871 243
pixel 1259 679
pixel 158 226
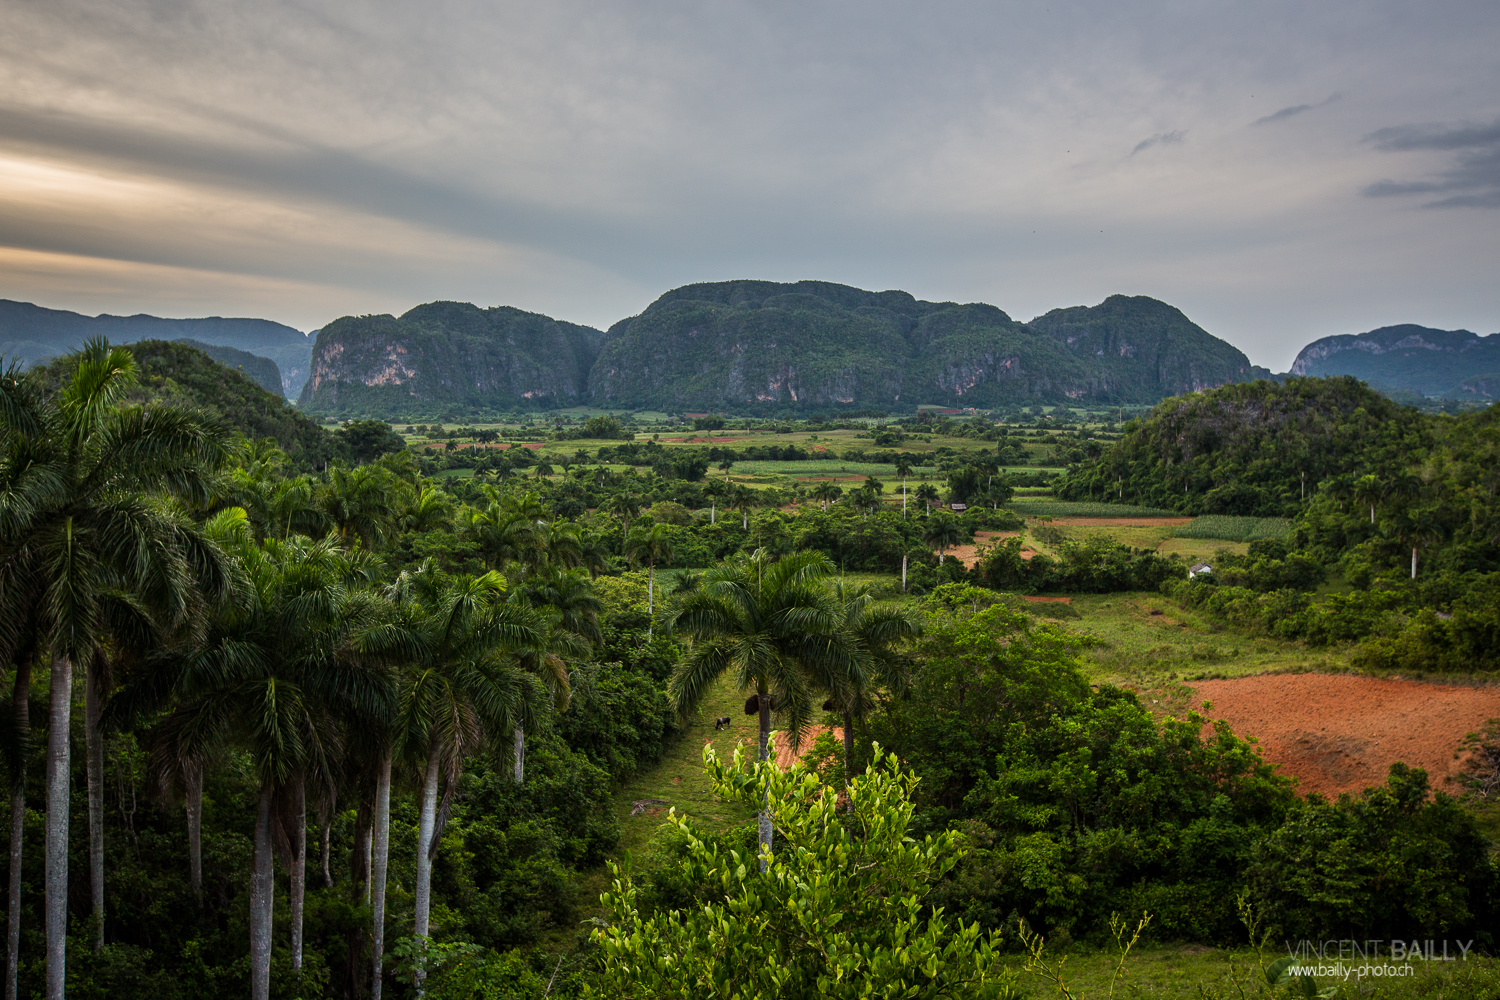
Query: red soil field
pixel 1340 733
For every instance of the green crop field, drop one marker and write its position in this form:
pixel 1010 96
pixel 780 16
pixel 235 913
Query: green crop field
pixel 1068 508
pixel 1235 529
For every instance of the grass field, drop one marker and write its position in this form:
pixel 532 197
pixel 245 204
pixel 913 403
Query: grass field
pixel 1146 650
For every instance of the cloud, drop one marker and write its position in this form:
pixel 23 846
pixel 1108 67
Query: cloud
pixel 1472 177
pixel 1159 139
pixel 1293 111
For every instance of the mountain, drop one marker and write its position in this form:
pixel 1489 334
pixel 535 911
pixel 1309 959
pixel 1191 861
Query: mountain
pixel 751 344
pixel 449 355
pixel 183 374
pixel 262 370
pixel 36 334
pixel 1454 363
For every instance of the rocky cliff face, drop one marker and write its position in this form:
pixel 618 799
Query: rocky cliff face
pixel 1415 358
pixel 751 344
pixel 449 354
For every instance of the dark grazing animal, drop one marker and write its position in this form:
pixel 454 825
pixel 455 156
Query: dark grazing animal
pixel 722 722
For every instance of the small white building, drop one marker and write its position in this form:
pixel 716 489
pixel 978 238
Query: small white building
pixel 1197 568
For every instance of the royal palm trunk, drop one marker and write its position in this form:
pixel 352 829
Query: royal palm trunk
pixel 262 900
pixel 378 862
pixel 21 701
pixel 59 753
pixel 763 821
pixel 94 748
pixel 192 780
pixel 426 827
pixel 298 875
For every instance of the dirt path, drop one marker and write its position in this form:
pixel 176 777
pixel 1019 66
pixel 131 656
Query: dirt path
pixel 1340 733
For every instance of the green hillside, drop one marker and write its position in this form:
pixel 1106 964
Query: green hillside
pixel 1245 449
pixel 262 370
pixel 750 346
pixel 178 373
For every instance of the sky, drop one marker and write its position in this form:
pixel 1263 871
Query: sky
pixel 1280 171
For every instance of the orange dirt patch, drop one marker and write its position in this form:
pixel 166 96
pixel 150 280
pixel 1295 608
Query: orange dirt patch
pixel 1048 600
pixel 1119 522
pixel 782 742
pixel 969 554
pixel 1340 733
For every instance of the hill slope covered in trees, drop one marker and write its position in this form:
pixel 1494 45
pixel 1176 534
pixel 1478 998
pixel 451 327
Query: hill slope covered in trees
pixel 748 345
pixel 1253 449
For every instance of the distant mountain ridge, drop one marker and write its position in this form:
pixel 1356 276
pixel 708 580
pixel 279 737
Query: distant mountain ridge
pixel 1457 364
pixel 37 334
pixel 747 344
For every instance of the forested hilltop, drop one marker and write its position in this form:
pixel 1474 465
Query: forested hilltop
pixel 431 716
pixel 749 346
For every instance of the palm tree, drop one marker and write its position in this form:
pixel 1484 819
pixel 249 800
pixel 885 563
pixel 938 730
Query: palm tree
pixel 941 533
pixel 504 536
pixel 927 493
pixel 274 677
pixel 872 631
pixel 361 504
pixel 625 506
pixel 1368 491
pixel 460 689
pixel 827 492
pixel 746 500
pixel 78 526
pixel 567 600
pixel 772 625
pixel 725 466
pixel 903 469
pixel 651 546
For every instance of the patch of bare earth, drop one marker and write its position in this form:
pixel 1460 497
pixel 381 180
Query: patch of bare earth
pixel 969 554
pixel 1339 733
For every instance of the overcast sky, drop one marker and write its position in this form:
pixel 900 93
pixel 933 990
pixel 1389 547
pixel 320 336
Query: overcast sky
pixel 1280 171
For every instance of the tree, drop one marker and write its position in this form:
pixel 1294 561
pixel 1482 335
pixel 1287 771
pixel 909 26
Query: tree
pixel 460 690
pixel 903 469
pixel 746 500
pixel 839 914
pixel 772 625
pixel 274 677
pixel 624 506
pixel 82 521
pixel 872 632
pixel 361 504
pixel 827 492
pixel 650 547
pixel 928 494
pixel 941 534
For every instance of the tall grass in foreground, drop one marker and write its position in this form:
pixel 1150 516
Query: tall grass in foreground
pixel 1235 529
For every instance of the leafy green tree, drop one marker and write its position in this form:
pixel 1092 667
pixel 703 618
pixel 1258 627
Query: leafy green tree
pixel 88 547
pixel 903 469
pixel 774 627
pixel 745 500
pixel 361 504
pixel 838 913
